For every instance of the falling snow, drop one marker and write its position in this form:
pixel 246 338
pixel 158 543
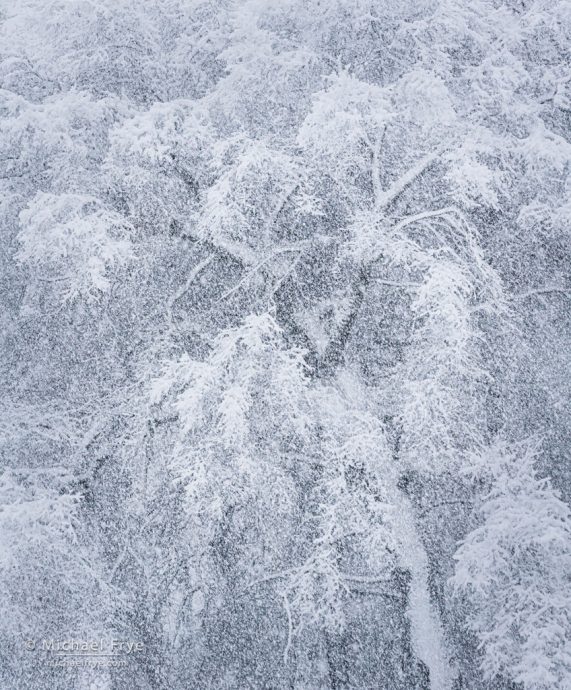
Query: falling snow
pixel 285 334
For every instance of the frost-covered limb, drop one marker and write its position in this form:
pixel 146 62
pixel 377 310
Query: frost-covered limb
pixel 540 291
pixel 244 281
pixel 426 628
pixel 196 271
pixel 388 197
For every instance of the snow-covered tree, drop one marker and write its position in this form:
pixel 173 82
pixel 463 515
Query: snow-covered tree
pixel 273 275
pixel 513 569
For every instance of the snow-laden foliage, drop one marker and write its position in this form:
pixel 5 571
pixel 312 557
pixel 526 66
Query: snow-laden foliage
pixel 74 241
pixel 515 567
pixel 286 301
